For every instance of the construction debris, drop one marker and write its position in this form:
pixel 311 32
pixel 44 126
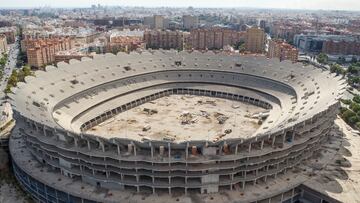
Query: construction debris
pixel 187 118
pixel 150 111
pixel 220 117
pixel 146 128
pixel 211 102
pixel 261 115
pixel 235 106
pixel 204 114
pixel 228 131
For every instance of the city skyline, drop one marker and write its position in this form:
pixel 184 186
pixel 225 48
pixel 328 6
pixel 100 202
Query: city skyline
pixel 351 5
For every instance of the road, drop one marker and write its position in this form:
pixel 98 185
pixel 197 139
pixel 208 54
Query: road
pixel 9 66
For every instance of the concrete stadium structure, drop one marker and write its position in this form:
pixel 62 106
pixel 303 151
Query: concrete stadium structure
pixel 57 158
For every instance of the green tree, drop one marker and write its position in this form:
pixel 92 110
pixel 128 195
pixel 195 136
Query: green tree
pixel 353 60
pixel 355 107
pixel 322 58
pixel 346 101
pixel 356 98
pixel 346 115
pixel 341 60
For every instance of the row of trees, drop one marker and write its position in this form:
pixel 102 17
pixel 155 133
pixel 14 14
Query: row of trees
pixel 17 76
pixel 3 61
pixel 351 113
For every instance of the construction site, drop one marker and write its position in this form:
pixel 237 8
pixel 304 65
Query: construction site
pixel 182 118
pixel 170 126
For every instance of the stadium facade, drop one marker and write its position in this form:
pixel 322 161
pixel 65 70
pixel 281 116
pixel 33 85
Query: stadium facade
pixel 57 158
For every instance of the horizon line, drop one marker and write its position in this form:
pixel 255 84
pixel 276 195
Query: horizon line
pixel 128 6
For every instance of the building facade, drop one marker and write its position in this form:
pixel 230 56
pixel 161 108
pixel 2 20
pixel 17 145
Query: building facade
pixel 342 47
pixel 215 38
pixel 164 39
pixel 10 33
pixel 41 52
pixel 3 43
pixel 125 40
pixel 255 40
pixel 190 22
pixel 158 22
pixel 282 50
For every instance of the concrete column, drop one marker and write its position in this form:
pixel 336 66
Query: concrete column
pixel 76 141
pixel 249 150
pixel 284 138
pixel 89 145
pixel 152 150
pixel 102 146
pixel 236 148
pixel 134 148
pixel 118 150
pixel 273 141
pixel 187 151
pixel 262 144
pixel 293 136
pixel 169 149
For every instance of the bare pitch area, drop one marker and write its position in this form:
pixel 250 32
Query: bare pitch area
pixel 183 117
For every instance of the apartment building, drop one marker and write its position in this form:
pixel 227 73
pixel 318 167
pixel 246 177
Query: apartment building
pixel 10 33
pixel 41 52
pixel 255 40
pixel 214 38
pixel 341 47
pixel 190 22
pixel 282 50
pixel 3 43
pixel 164 39
pixel 126 40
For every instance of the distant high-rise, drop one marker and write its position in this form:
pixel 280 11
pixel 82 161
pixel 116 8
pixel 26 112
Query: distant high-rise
pixel 158 22
pixel 154 22
pixel 190 22
pixel 255 40
pixel 149 21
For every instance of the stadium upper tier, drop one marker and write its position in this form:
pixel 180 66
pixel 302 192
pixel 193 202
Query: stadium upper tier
pixel 77 96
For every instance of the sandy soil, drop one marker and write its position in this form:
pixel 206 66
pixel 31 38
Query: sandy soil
pixel 163 119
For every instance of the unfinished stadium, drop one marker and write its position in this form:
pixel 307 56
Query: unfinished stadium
pixel 186 127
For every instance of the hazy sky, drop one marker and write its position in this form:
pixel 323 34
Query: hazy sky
pixel 297 4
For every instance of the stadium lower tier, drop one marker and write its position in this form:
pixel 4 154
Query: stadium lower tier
pixel 170 169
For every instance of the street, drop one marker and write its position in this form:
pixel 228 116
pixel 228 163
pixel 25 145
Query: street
pixel 9 67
